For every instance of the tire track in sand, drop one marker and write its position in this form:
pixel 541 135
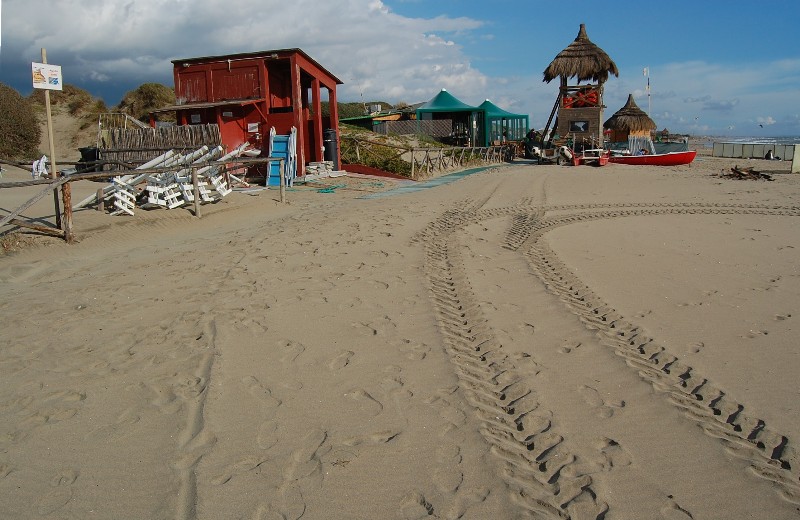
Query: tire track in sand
pixel 771 455
pixel 514 424
pixel 531 453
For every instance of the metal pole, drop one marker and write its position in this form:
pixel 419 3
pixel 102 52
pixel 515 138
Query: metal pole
pixel 53 168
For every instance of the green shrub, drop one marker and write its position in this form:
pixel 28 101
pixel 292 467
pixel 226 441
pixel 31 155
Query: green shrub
pixel 138 103
pixel 19 128
pixel 370 151
pixel 74 98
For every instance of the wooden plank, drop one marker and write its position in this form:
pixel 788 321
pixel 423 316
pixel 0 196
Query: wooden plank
pixel 36 227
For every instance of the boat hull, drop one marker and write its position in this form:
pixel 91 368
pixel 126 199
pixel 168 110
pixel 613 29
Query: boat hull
pixel 592 158
pixel 659 159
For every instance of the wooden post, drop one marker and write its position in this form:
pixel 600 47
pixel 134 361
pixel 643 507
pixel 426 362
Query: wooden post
pixel 196 186
pixel 101 202
pixel 53 168
pixel 66 194
pixel 282 182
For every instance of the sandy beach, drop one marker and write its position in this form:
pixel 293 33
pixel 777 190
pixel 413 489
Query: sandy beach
pixel 528 341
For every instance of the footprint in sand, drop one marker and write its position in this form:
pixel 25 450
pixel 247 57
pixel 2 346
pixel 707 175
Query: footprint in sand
pixel 569 346
pixel 448 476
pixel 415 352
pixel 613 455
pixel 5 469
pixel 414 506
pixel 465 500
pixel 263 393
pixel 267 436
pixel 696 347
pixel 782 317
pixel 341 360
pixel 61 493
pixel 238 468
pixel 290 506
pixel 394 386
pixel 366 401
pixel 290 351
pixel 120 428
pixel 369 439
pixel 378 327
pixel 672 511
pixel 305 460
pixel 593 398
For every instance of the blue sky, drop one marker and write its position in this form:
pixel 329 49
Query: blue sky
pixel 716 67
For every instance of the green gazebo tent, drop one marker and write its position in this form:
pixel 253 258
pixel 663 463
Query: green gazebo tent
pixel 444 105
pixel 481 125
pixel 496 121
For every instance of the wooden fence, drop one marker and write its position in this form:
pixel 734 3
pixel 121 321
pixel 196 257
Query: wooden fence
pixel 139 145
pixel 64 221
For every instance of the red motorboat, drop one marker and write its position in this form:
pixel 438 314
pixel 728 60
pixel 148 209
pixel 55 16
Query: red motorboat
pixel 656 159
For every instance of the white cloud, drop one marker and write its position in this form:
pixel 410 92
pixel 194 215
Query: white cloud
pixel 378 54
pixel 360 41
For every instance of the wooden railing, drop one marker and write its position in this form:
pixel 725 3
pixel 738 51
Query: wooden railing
pixel 64 208
pixel 420 163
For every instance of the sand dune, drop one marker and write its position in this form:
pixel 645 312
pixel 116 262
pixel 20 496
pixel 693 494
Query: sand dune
pixel 526 342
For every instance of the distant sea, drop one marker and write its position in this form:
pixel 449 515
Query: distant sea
pixel 708 141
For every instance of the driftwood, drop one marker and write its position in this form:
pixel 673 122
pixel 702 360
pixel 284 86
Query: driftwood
pixel 747 173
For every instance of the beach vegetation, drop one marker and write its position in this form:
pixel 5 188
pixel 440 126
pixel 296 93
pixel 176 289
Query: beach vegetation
pixel 145 98
pixel 359 146
pixel 14 241
pixel 19 127
pixel 73 100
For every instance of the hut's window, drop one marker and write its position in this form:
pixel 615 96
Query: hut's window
pixel 579 126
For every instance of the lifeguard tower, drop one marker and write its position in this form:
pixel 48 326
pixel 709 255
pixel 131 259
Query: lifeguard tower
pixel 577 114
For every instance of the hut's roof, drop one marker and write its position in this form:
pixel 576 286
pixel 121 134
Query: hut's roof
pixel 583 60
pixel 630 118
pixel 492 110
pixel 445 102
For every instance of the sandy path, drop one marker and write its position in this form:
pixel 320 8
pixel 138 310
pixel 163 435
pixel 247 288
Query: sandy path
pixel 537 342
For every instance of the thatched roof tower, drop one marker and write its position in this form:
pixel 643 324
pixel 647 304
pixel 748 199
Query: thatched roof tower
pixel 582 60
pixel 630 120
pixel 580 106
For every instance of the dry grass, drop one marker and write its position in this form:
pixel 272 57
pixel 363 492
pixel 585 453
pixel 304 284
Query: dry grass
pixel 15 241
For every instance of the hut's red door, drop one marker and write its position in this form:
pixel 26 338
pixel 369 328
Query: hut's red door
pixel 232 126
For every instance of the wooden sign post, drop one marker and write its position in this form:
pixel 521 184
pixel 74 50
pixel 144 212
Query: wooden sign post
pixel 48 77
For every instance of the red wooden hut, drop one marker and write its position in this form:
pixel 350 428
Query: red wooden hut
pixel 247 94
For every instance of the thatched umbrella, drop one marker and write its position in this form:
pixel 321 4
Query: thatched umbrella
pixel 583 60
pixel 631 122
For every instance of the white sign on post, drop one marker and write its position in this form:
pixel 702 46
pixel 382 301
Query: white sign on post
pixel 46 76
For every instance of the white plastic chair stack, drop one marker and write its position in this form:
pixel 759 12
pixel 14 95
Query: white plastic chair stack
pixel 210 175
pixel 186 187
pixel 219 183
pixel 163 191
pixel 214 173
pixel 124 197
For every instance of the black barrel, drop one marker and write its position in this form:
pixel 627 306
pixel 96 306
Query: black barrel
pixel 331 150
pixel 89 157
